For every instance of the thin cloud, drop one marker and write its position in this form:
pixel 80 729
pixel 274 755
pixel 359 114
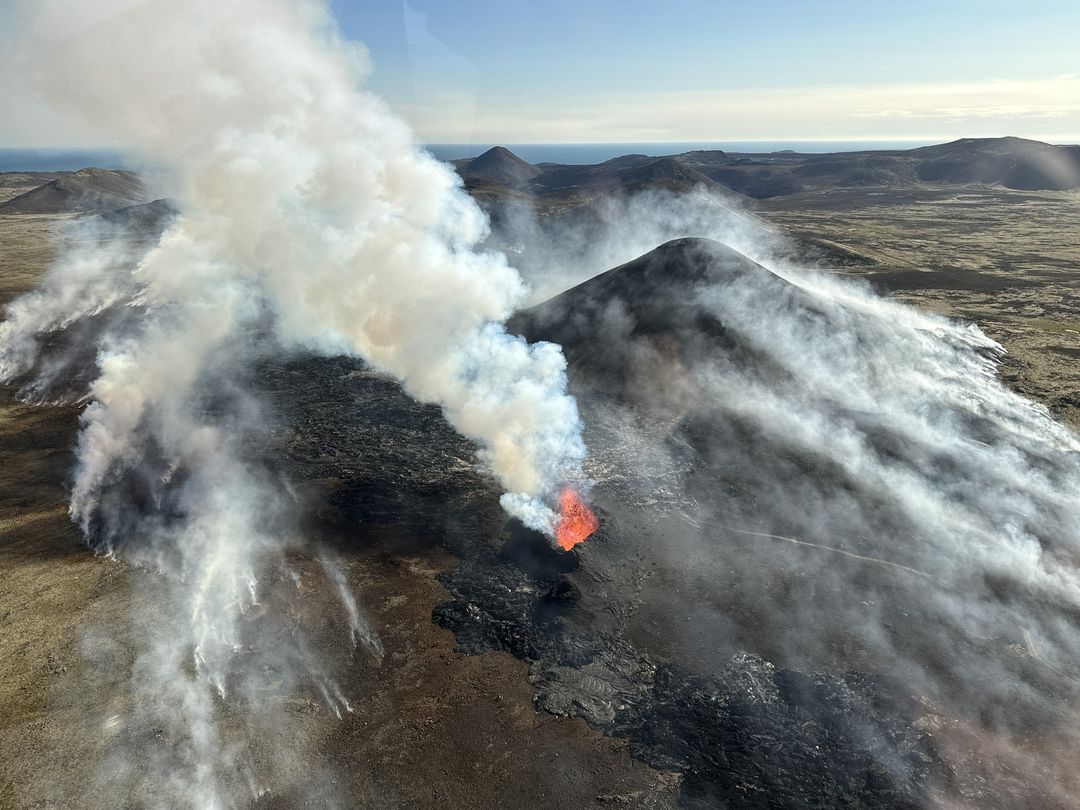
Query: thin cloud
pixel 870 111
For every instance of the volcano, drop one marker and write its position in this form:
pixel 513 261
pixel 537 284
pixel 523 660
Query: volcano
pixel 498 166
pixel 717 620
pixel 631 331
pixel 790 594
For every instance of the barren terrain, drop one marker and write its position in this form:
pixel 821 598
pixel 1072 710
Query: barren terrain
pixel 1005 260
pixel 431 725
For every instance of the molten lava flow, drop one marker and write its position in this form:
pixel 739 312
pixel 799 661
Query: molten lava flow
pixel 576 520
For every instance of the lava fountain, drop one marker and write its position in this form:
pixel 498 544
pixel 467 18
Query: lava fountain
pixel 576 520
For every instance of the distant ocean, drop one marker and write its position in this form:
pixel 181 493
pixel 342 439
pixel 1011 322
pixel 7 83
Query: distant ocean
pixel 59 160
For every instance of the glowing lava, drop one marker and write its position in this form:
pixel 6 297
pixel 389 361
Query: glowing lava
pixel 576 520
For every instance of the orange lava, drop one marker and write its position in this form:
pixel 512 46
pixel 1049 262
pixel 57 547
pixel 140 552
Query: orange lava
pixel 576 520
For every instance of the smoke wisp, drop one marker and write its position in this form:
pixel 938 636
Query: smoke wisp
pixel 837 483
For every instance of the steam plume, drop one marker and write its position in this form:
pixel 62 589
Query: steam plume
pixel 308 219
pixel 302 193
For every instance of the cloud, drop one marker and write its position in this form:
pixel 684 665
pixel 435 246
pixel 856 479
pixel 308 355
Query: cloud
pixel 916 110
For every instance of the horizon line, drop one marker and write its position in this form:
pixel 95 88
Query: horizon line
pixel 1055 140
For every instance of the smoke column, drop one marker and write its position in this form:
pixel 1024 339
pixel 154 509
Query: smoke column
pixel 308 219
pixel 298 189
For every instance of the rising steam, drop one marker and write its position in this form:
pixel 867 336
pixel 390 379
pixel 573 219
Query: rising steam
pixel 836 482
pixel 308 218
pixel 307 200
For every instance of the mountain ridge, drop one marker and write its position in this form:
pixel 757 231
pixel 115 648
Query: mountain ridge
pixel 1007 162
pixel 89 190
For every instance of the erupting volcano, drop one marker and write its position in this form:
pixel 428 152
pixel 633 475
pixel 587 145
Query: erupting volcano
pixel 576 520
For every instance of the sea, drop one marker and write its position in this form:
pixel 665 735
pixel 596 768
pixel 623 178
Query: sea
pixel 60 160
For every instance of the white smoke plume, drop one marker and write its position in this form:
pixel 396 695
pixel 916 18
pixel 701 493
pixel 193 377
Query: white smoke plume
pixel 298 190
pixel 308 218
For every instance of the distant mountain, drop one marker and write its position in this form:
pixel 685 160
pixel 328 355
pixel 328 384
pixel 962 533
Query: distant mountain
pixel 84 191
pixel 1013 163
pixel 668 173
pixel 499 166
pixel 780 174
pixel 499 172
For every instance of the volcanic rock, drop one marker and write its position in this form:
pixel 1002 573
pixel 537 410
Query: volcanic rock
pixel 746 734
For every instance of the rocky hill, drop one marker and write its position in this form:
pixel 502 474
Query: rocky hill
pixel 87 190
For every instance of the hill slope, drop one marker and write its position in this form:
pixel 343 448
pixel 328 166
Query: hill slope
pixel 627 330
pixel 1011 162
pixel 87 190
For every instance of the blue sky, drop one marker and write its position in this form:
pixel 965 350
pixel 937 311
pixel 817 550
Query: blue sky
pixel 599 70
